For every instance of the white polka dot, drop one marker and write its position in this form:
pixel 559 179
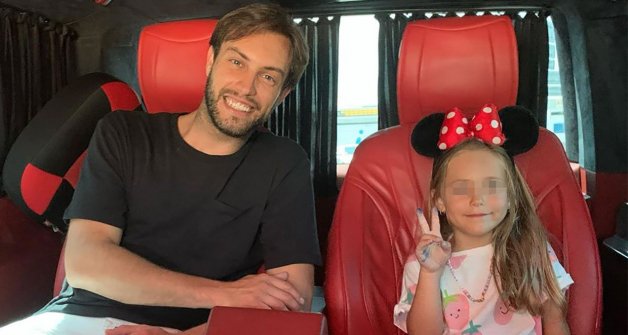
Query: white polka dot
pixel 478 127
pixel 459 130
pixel 450 115
pixel 494 123
pixel 464 120
pixel 497 140
pixel 487 109
pixel 444 130
pixel 442 146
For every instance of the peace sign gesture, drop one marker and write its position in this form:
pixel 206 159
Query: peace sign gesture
pixel 432 251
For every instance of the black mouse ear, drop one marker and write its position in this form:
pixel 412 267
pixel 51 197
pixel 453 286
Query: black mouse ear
pixel 520 128
pixel 424 137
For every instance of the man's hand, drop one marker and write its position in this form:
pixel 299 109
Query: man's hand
pixel 152 330
pixel 136 330
pixel 265 291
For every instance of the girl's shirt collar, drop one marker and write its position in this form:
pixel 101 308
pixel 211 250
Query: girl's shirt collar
pixel 486 250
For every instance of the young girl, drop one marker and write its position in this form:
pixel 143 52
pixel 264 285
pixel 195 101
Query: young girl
pixel 484 266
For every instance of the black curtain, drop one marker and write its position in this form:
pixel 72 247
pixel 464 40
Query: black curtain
pixel 533 46
pixel 308 114
pixel 36 60
pixel 390 30
pixel 531 33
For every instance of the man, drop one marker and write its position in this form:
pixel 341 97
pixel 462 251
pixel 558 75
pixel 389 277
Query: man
pixel 175 214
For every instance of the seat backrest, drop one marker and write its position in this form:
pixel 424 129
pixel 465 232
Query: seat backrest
pixel 443 63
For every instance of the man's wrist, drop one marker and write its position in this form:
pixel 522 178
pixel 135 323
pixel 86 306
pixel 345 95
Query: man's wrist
pixel 209 295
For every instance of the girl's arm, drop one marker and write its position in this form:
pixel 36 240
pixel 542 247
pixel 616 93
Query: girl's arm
pixel 426 313
pixel 554 322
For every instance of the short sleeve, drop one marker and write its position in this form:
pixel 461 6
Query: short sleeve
pixel 408 287
pixel 100 191
pixel 563 278
pixel 288 232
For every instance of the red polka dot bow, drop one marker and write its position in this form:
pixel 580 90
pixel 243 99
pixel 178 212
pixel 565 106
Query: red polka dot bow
pixel 485 126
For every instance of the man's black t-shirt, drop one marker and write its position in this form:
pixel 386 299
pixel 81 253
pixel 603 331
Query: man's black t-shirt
pixel 220 217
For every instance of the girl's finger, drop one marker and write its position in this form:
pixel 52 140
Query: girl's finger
pixel 425 228
pixel 446 246
pixel 416 234
pixel 435 223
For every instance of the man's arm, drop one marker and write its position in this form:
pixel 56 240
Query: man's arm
pixel 301 276
pixel 95 261
pixel 153 330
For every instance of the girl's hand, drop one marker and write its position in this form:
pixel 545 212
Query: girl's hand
pixel 432 251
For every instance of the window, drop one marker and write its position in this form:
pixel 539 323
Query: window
pixel 555 117
pixel 357 83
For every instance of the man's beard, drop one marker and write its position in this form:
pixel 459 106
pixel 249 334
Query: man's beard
pixel 237 128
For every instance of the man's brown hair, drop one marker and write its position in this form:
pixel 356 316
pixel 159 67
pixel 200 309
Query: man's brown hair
pixel 260 18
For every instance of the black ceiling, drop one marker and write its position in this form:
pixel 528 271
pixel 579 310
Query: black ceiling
pixel 74 11
pixel 87 16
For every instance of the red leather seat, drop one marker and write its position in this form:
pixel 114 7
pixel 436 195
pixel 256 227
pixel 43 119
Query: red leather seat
pixel 462 62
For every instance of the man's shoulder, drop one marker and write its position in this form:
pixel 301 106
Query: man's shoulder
pixel 135 123
pixel 134 117
pixel 278 147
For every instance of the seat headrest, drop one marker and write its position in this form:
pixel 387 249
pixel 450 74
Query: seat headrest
pixel 42 168
pixel 171 59
pixel 470 61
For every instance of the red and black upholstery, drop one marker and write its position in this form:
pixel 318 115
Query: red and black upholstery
pixel 40 174
pixel 443 63
pixel 42 167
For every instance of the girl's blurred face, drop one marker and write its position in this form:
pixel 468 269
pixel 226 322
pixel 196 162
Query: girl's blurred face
pixel 474 197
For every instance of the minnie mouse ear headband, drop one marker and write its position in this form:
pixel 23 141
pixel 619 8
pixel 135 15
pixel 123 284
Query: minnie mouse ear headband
pixel 513 127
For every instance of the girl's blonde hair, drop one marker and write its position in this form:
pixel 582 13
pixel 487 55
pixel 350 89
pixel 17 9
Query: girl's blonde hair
pixel 521 263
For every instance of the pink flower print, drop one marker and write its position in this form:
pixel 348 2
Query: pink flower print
pixel 502 313
pixel 538 325
pixel 456 261
pixel 456 309
pixel 412 289
pixel 411 258
pixel 410 294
